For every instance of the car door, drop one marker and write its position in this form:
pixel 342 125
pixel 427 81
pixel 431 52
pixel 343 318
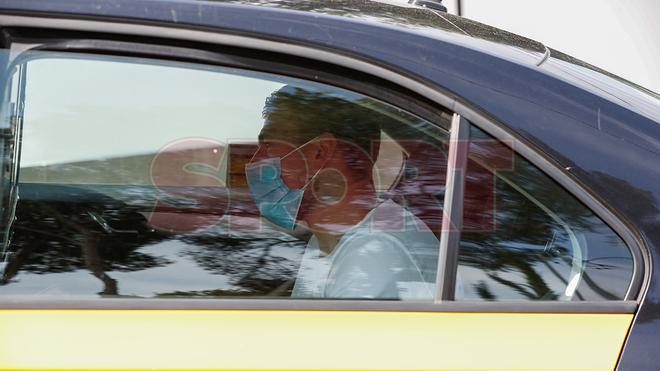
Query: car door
pixel 134 241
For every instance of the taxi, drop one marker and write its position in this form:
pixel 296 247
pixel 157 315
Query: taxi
pixel 318 185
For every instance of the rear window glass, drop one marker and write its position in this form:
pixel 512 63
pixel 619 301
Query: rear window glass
pixel 526 238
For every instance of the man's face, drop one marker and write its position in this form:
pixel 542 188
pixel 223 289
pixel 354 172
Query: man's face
pixel 275 141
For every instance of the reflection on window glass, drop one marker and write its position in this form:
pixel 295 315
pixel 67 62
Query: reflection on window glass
pixel 526 238
pixel 143 178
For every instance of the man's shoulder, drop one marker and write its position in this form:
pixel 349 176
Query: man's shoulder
pixel 392 218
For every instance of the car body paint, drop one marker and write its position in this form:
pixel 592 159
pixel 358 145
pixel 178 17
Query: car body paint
pixel 312 340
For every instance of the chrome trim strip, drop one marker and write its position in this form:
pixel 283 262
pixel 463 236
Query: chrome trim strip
pixel 452 215
pixel 640 253
pixel 17 303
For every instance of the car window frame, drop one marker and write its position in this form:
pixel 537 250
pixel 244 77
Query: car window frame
pixel 195 40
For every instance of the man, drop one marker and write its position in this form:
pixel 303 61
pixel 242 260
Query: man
pixel 314 170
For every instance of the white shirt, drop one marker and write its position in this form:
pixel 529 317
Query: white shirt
pixel 390 254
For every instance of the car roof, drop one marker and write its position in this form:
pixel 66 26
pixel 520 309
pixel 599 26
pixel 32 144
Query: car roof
pixel 411 17
pixel 436 23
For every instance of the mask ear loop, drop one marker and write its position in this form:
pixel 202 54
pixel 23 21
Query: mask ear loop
pixel 285 156
pixel 299 147
pixel 317 171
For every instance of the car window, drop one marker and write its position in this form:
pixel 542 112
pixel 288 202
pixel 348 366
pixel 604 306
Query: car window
pixel 526 238
pixel 155 179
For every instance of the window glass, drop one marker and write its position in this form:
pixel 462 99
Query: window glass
pixel 526 238
pixel 144 178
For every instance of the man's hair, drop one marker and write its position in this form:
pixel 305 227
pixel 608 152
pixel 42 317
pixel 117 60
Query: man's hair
pixel 316 112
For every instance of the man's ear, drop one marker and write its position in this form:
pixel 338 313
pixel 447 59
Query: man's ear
pixel 326 145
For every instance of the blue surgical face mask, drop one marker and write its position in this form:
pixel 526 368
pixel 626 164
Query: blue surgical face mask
pixel 275 200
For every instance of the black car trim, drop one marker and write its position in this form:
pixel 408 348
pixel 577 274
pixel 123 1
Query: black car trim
pixel 641 256
pixel 452 221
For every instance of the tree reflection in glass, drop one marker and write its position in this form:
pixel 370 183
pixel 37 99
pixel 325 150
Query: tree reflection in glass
pixel 533 240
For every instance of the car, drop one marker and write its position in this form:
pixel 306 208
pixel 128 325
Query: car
pixel 318 185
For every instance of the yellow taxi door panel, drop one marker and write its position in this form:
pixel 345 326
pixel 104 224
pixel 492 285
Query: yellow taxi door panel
pixel 307 340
